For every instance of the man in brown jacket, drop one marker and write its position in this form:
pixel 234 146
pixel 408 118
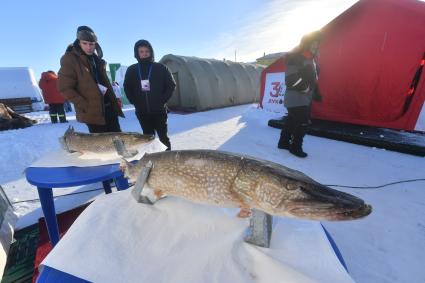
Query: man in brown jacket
pixel 83 81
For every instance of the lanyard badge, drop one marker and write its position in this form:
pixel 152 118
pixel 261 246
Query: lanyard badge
pixel 102 88
pixel 145 84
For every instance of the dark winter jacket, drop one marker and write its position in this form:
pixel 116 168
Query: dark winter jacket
pixel 300 80
pixel 77 84
pixel 161 81
pixel 47 84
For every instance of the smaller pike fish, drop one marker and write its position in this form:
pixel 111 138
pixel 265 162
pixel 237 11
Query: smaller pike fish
pixel 101 143
pixel 231 180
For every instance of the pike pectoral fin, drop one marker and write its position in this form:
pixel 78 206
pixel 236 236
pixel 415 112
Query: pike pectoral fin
pixel 244 212
pixel 159 194
pixel 140 183
pixel 124 167
pixel 121 148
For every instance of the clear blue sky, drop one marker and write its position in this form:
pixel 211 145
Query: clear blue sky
pixel 36 33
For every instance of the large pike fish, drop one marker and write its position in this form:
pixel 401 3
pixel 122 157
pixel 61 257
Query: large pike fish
pixel 231 180
pixel 103 142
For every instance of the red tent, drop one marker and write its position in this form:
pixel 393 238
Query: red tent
pixel 370 65
pixel 271 89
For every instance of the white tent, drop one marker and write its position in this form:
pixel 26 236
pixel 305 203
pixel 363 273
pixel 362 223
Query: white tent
pixel 208 83
pixel 19 82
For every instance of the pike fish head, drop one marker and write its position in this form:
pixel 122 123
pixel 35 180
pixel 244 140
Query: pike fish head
pixel 312 200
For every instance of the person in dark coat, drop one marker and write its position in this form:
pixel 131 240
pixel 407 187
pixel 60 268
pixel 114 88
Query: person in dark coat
pixel 148 86
pixel 83 81
pixel 301 85
pixel 52 96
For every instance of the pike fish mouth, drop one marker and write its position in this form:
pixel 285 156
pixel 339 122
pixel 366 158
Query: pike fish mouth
pixel 330 213
pixel 323 203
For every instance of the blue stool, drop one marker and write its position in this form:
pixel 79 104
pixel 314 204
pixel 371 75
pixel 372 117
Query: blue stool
pixel 47 178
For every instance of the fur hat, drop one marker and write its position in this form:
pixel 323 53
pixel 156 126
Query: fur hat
pixel 86 33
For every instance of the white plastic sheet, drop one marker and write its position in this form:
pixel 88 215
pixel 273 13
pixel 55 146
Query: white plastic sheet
pixel 117 239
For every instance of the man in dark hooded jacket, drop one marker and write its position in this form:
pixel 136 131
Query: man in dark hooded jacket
pixel 301 88
pixel 83 81
pixel 148 86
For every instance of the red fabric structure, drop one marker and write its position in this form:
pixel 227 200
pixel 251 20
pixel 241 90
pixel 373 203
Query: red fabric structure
pixel 369 56
pixel 48 85
pixel 278 66
pixel 65 220
pixel 369 65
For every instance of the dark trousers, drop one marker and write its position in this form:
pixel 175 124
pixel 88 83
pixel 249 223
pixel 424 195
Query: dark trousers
pixel 112 123
pixel 295 125
pixel 56 111
pixel 155 122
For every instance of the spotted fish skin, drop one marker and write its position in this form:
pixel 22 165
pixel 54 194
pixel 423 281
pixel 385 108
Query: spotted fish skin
pixel 98 143
pixel 231 180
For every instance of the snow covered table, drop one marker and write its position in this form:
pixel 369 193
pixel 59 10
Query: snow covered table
pixel 179 241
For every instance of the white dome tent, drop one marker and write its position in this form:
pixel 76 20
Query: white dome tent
pixel 208 83
pixel 18 84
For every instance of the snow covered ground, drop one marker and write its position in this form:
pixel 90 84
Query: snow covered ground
pixel 387 246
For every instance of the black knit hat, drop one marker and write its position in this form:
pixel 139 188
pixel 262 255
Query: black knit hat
pixel 86 33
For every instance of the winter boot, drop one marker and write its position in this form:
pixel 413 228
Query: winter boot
pixel 297 141
pixel 62 118
pixel 297 150
pixel 284 141
pixel 54 118
pixel 286 133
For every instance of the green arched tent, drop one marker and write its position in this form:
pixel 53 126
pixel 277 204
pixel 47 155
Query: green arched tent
pixel 208 83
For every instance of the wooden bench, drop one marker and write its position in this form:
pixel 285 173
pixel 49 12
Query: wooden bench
pixel 19 105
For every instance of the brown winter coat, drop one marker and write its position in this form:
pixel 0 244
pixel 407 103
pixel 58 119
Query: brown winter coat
pixel 76 84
